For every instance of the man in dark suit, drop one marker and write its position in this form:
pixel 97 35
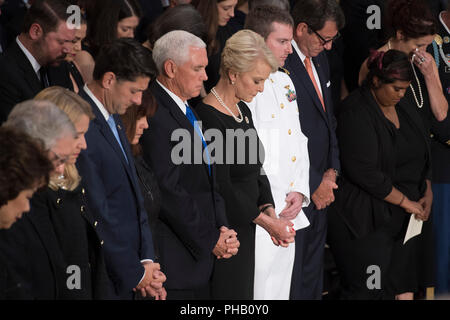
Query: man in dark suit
pixel 316 26
pixel 44 42
pixel 191 227
pixel 121 74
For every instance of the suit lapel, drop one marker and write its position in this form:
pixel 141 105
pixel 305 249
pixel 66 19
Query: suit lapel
pixel 172 107
pixel 299 71
pixel 25 66
pixel 177 114
pixel 106 131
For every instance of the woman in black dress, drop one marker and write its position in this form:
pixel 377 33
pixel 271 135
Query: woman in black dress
pixel 412 28
pixel 385 159
pixel 24 167
pixel 62 209
pixel 246 64
pixel 135 122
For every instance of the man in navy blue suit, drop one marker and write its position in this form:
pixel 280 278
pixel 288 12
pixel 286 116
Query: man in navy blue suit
pixel 121 74
pixel 192 226
pixel 316 26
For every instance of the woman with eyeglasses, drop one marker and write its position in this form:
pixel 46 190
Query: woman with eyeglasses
pixel 77 253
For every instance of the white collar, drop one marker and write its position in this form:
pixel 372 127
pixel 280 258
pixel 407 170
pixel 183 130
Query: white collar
pixel 299 52
pixel 442 22
pixel 36 66
pixel 100 105
pixel 181 104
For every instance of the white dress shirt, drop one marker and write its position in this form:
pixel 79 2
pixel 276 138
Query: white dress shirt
pixel 303 57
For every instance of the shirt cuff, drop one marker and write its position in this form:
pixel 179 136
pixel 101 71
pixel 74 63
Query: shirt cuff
pixel 144 261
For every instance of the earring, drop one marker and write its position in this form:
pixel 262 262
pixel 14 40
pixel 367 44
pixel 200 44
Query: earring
pixel 232 82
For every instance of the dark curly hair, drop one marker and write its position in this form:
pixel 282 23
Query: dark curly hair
pixel 412 17
pixel 388 67
pixel 23 164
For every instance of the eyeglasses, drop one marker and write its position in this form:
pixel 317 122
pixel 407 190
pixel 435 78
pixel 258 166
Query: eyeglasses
pixel 58 160
pixel 325 42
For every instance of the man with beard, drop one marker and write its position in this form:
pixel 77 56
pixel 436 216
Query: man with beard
pixel 44 42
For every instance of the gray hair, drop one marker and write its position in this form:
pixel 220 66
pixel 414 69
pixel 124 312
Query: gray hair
pixel 41 120
pixel 175 45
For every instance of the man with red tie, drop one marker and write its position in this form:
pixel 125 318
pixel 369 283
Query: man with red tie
pixel 316 25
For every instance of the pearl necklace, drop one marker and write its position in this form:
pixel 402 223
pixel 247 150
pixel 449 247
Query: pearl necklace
pixel 238 120
pixel 419 105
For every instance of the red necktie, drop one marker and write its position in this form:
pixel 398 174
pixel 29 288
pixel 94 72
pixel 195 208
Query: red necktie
pixel 313 79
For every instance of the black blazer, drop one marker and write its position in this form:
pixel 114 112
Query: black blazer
pixel 45 242
pixel 116 202
pixel 19 82
pixel 367 142
pixel 191 209
pixel 318 126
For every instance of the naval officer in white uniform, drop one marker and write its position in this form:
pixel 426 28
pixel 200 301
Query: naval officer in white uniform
pixel 286 162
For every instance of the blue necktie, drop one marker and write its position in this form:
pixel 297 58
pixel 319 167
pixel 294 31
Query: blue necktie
pixel 193 120
pixel 112 125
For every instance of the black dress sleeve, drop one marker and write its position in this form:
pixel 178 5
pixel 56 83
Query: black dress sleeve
pixel 360 151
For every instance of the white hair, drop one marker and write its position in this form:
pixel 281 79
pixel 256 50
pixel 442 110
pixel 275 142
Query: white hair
pixel 175 45
pixel 41 120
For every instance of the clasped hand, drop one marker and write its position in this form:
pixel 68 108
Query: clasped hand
pixel 280 229
pixel 227 245
pixel 324 196
pixel 152 283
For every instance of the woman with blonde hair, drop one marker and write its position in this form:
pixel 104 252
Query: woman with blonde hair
pixel 70 229
pixel 246 64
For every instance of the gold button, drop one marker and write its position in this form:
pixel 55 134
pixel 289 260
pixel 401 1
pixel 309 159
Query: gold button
pixel 102 242
pixel 82 191
pixel 431 135
pixel 82 208
pixel 95 224
pixel 58 201
pixel 273 115
pixel 294 158
pixel 282 106
pixel 289 131
pixel 448 142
